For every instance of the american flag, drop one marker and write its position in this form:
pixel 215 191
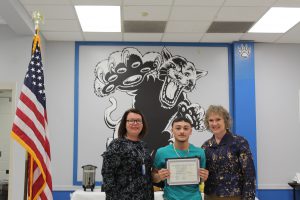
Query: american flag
pixel 30 127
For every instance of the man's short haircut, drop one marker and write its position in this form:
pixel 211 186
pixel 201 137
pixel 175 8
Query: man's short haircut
pixel 180 119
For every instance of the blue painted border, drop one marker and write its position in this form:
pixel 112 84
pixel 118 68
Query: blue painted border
pixel 244 110
pixel 76 94
pixel 261 194
pixel 76 81
pixel 277 194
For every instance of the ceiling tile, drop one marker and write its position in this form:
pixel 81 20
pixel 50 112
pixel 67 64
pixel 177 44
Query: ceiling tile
pixel 54 11
pixel 240 13
pixel 287 3
pixel 97 2
pixel 102 36
pixel 147 2
pixel 249 3
pixel 181 37
pixel 143 37
pixel 45 2
pixel 146 13
pixel 61 25
pixel 221 37
pixel 259 37
pixel 187 26
pixel 2 21
pixel 63 36
pixel 292 36
pixel 198 2
pixel 193 13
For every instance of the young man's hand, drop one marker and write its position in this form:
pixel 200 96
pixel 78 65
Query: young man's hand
pixel 203 173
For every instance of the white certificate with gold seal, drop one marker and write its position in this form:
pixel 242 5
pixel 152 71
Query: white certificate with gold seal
pixel 183 171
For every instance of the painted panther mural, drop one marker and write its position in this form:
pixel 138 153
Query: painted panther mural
pixel 158 84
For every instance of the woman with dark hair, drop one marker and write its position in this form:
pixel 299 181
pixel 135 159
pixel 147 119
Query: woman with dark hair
pixel 126 168
pixel 228 160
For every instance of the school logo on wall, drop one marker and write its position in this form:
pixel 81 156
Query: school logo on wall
pixel 158 83
pixel 244 51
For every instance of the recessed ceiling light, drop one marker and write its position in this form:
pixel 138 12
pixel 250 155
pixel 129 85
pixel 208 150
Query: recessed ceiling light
pixel 277 20
pixel 99 18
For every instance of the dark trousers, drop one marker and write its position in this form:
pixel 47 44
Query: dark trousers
pixel 214 197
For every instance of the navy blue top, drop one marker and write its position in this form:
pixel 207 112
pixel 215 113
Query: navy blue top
pixel 231 167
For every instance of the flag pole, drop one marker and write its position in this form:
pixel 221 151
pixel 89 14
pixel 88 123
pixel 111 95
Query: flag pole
pixel 37 19
pixel 25 177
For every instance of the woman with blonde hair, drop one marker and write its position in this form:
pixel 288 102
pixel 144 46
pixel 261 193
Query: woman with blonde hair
pixel 228 160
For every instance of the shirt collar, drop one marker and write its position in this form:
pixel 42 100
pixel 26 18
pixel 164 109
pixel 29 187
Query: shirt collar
pixel 227 138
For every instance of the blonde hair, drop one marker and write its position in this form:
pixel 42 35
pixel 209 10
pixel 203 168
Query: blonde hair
pixel 219 110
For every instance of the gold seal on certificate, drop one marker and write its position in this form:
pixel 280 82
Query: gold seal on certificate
pixel 183 171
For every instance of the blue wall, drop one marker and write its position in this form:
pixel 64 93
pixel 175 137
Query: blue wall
pixel 62 195
pixel 261 194
pixel 277 194
pixel 243 89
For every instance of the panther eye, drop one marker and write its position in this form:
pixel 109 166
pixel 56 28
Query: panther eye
pixel 187 74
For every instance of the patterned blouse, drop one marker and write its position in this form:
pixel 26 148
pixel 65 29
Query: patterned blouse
pixel 124 176
pixel 231 167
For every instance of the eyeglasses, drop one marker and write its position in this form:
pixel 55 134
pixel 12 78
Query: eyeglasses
pixel 132 121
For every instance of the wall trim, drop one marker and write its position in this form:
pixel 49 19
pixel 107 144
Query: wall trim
pixel 66 187
pixel 273 186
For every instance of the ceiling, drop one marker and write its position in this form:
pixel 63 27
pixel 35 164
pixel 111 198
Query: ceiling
pixel 152 20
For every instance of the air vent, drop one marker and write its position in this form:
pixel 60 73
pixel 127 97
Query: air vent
pixel 144 26
pixel 229 27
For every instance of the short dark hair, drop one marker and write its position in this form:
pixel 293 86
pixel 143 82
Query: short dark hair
pixel 180 119
pixel 122 128
pixel 219 110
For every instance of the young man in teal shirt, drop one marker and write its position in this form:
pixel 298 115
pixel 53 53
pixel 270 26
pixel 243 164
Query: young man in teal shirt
pixel 181 148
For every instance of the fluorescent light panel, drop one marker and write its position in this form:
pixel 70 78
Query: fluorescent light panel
pixel 99 18
pixel 277 20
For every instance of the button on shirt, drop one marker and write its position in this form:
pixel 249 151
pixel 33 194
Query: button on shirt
pixel 231 167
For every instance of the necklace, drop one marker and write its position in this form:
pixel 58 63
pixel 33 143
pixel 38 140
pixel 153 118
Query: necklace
pixel 142 156
pixel 186 154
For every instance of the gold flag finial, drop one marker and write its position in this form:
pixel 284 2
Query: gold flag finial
pixel 37 19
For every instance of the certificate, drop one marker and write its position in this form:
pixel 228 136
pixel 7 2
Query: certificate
pixel 183 171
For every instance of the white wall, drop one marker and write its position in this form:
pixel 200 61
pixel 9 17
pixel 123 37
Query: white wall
pixel 59 81
pixel 6 116
pixel 14 59
pixel 277 88
pixel 277 71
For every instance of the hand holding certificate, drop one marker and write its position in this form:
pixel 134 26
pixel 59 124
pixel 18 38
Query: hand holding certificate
pixel 183 171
